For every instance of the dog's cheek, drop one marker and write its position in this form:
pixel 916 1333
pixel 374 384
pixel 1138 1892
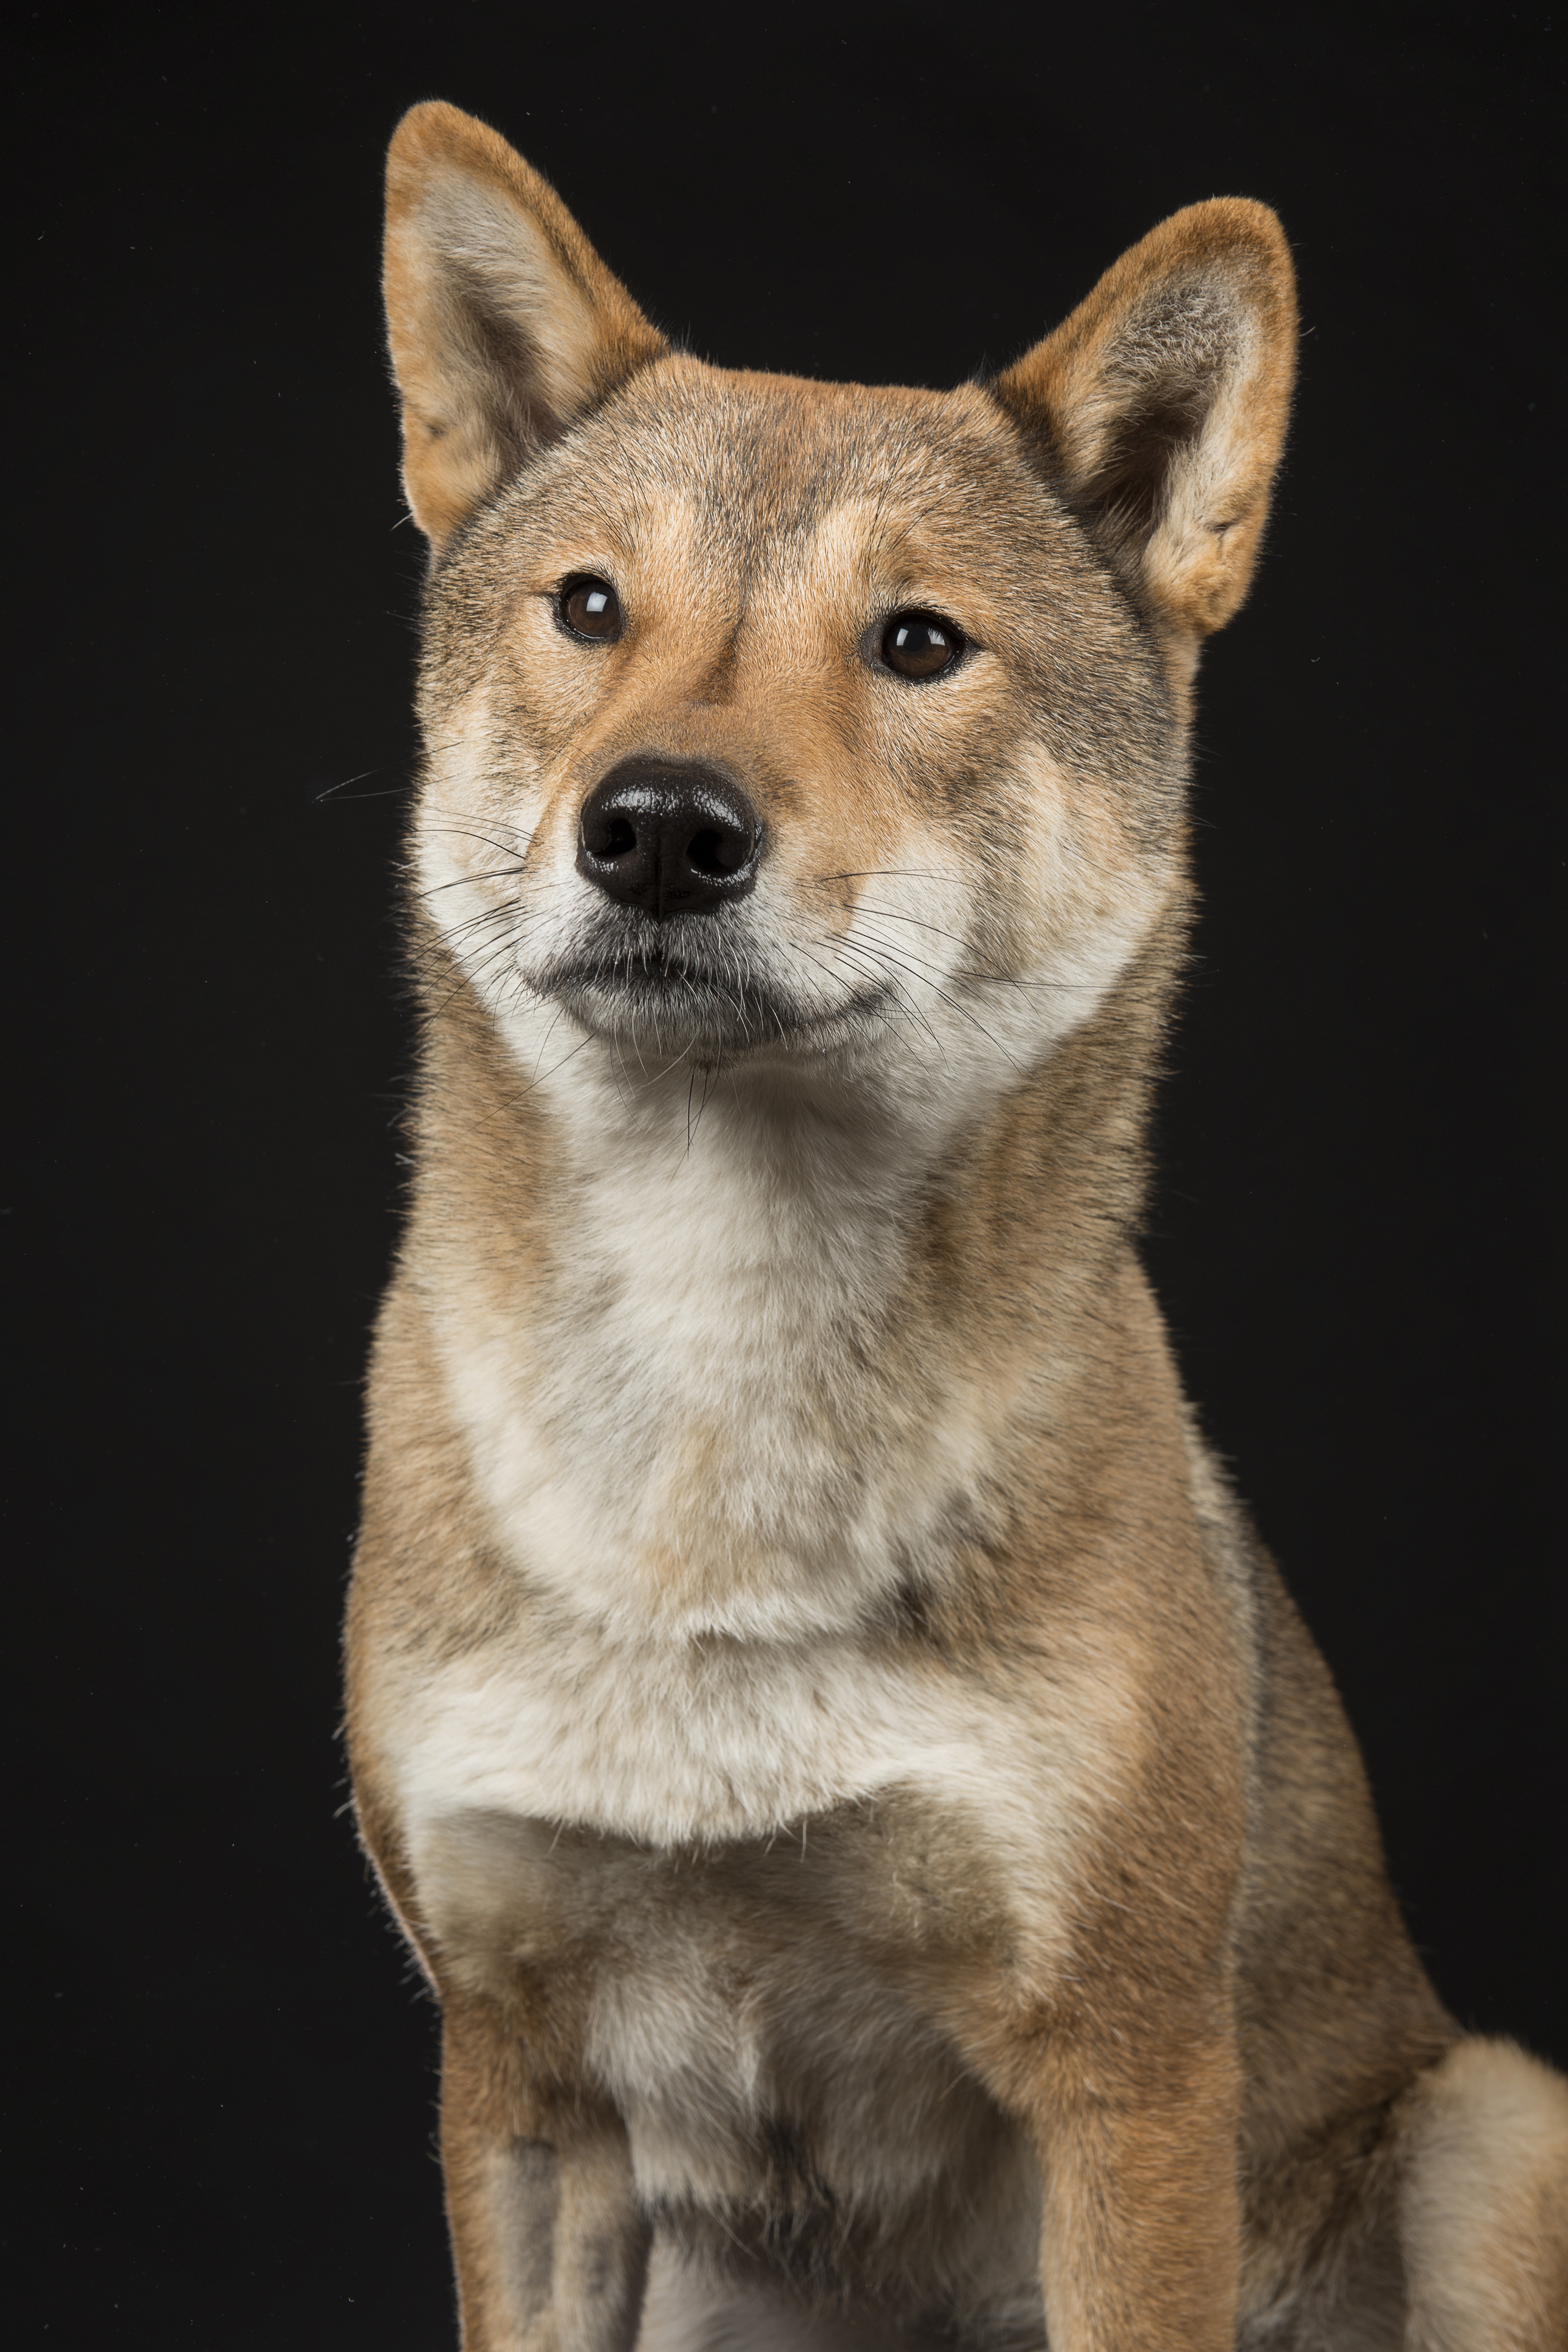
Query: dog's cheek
pixel 1085 892
pixel 979 813
pixel 468 804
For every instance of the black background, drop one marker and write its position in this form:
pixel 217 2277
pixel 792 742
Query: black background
pixel 227 2080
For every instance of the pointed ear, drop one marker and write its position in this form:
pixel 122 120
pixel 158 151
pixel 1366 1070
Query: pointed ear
pixel 503 322
pixel 1165 396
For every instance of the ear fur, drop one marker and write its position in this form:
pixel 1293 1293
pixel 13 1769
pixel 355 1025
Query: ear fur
pixel 504 325
pixel 1165 397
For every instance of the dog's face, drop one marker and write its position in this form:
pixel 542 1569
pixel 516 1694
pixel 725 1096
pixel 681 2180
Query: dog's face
pixel 766 715
pixel 771 720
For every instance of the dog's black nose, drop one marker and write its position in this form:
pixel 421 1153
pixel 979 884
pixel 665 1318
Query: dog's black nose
pixel 672 836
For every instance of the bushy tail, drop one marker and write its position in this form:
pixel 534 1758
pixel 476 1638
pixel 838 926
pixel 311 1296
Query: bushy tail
pixel 1483 2204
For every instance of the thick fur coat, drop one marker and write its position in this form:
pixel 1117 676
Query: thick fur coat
pixel 892 1863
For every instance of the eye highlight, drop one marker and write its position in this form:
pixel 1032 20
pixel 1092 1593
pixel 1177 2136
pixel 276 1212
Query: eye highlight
pixel 920 645
pixel 588 608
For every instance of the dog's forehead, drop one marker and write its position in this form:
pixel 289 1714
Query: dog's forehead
pixel 765 465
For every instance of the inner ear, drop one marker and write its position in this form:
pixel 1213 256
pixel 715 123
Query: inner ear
pixel 1137 459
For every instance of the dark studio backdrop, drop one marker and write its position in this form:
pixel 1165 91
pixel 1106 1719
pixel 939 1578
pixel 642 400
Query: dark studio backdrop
pixel 225 2102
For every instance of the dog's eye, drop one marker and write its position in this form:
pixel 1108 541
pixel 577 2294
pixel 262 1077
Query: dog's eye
pixel 589 608
pixel 917 645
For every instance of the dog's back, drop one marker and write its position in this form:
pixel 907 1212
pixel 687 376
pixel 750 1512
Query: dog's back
pixel 879 1833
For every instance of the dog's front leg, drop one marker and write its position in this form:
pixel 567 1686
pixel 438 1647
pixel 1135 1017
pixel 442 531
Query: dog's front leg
pixel 550 2243
pixel 1140 2242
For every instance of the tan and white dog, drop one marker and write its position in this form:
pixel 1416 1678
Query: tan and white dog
pixel 884 1844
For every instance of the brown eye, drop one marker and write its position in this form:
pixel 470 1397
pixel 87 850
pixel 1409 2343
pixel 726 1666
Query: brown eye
pixel 917 645
pixel 590 608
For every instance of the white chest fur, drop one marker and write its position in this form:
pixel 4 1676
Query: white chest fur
pixel 680 1743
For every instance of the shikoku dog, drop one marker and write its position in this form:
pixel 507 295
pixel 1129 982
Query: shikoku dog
pixel 884 1844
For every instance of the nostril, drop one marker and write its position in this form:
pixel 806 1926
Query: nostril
pixel 611 837
pixel 719 850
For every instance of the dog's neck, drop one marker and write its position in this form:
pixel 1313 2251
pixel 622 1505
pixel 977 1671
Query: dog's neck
pixel 722 1364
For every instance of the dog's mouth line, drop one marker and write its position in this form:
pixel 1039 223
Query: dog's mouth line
pixel 632 967
pixel 744 1008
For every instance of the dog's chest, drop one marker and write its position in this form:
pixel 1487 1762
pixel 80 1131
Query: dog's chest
pixel 726 1812
pixel 679 1744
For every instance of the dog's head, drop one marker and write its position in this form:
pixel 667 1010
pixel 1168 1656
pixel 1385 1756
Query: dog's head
pixel 777 722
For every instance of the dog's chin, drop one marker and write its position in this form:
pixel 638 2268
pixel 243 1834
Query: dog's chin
pixel 663 1011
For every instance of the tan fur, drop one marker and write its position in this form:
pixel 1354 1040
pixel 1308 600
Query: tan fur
pixel 892 1863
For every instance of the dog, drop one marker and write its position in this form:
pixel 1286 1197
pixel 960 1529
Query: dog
pixel 892 1863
